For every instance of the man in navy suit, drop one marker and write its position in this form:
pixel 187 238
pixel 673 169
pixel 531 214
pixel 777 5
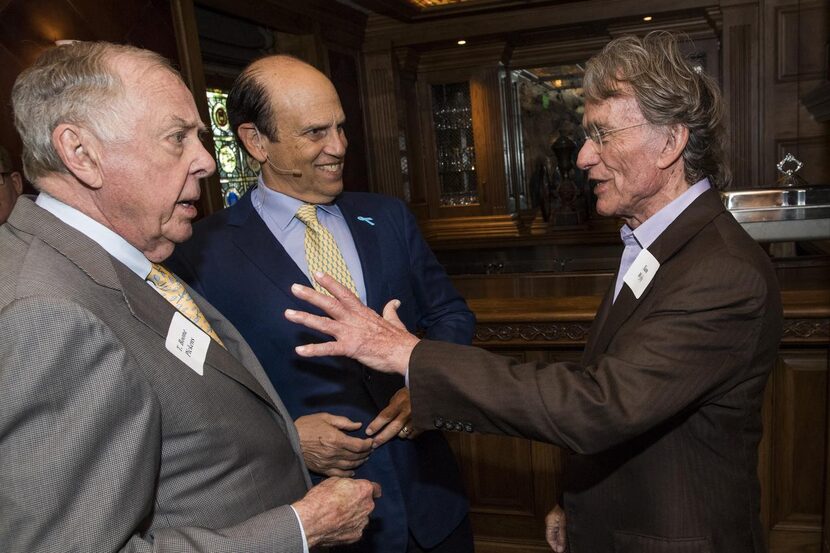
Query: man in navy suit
pixel 351 421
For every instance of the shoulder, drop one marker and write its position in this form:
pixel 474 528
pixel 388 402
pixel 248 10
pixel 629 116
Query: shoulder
pixel 370 200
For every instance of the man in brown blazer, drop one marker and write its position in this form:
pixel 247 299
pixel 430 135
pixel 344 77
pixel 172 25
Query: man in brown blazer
pixel 662 415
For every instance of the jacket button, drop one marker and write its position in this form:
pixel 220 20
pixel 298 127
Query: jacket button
pixel 459 427
pixel 439 422
pixel 468 427
pixel 448 425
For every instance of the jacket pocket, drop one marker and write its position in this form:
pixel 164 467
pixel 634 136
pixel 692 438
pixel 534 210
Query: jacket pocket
pixel 625 542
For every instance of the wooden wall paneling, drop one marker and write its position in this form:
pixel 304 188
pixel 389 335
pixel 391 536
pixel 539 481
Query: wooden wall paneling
pixel 190 64
pixel 796 36
pixel 410 111
pixel 345 72
pixel 741 87
pixel 28 27
pixel 485 93
pixel 383 127
pixel 512 483
pixel 798 434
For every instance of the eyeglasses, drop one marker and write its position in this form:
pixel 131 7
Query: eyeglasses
pixel 596 135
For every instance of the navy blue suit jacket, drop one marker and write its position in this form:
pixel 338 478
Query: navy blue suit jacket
pixel 240 267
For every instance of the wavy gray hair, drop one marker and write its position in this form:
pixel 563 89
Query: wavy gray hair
pixel 76 83
pixel 669 90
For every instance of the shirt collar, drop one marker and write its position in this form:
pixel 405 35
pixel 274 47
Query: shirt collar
pixel 654 226
pixel 282 207
pixel 113 243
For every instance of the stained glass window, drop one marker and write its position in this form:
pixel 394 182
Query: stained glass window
pixel 237 170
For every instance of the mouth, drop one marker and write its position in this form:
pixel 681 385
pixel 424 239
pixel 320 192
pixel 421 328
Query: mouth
pixel 187 205
pixel 333 168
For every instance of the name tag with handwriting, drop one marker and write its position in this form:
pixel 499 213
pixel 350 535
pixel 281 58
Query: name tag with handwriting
pixel 641 272
pixel 188 342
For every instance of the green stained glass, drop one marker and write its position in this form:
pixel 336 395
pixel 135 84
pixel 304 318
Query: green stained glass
pixel 237 170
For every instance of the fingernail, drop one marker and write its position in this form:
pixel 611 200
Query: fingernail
pixel 295 287
pixel 300 349
pixel 318 274
pixel 370 431
pixel 397 303
pixel 290 312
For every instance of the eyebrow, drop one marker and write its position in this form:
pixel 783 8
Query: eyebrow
pixel 185 124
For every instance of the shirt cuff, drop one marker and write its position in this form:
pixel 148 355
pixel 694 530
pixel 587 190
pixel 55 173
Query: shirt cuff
pixel 302 530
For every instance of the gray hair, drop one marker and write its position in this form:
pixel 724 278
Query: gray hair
pixel 77 84
pixel 669 90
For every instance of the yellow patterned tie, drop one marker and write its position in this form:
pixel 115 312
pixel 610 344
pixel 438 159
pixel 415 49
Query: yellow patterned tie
pixel 321 251
pixel 174 291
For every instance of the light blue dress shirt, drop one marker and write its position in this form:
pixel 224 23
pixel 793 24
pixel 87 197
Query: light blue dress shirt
pixel 278 210
pixel 644 236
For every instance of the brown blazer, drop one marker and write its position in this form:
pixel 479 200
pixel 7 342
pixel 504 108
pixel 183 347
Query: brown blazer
pixel 663 413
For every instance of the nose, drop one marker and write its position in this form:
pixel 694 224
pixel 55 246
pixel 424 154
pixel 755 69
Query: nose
pixel 337 143
pixel 203 165
pixel 588 155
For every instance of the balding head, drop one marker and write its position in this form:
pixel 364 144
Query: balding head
pixel 258 91
pixel 288 116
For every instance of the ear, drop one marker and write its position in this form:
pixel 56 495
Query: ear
pixel 17 181
pixel 79 151
pixel 253 140
pixel 676 140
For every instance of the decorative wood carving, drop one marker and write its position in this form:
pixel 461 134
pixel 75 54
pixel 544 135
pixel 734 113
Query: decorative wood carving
pixel 533 333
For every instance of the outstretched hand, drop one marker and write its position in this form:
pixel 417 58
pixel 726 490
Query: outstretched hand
pixel 381 343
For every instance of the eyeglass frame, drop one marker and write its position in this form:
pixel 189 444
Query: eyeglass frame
pixel 595 135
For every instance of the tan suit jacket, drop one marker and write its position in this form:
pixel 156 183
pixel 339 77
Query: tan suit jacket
pixel 110 443
pixel 663 414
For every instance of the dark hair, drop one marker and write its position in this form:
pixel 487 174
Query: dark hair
pixel 669 90
pixel 249 102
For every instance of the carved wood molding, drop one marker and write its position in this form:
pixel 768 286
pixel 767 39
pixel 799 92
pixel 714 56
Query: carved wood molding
pixel 529 333
pixel 795 331
pixel 806 330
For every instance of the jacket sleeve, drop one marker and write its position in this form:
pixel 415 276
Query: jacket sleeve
pixel 80 445
pixel 707 337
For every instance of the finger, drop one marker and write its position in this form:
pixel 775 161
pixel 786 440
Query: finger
pixel 342 423
pixel 389 431
pixel 336 289
pixel 356 448
pixel 314 322
pixel 376 490
pixel 390 313
pixel 384 417
pixel 325 349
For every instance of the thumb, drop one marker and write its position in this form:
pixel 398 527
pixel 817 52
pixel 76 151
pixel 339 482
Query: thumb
pixel 390 313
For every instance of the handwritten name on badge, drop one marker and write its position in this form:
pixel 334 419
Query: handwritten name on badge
pixel 641 272
pixel 188 342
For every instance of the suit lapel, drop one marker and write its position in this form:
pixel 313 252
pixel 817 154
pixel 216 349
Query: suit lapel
pixel 144 304
pixel 365 239
pixel 251 235
pixel 611 317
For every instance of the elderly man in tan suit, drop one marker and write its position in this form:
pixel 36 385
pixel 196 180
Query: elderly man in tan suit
pixel 134 416
pixel 662 416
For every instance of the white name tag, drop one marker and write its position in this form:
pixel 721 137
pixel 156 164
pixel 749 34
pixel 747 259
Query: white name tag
pixel 641 272
pixel 188 342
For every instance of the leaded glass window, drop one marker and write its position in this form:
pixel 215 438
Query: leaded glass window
pixel 238 171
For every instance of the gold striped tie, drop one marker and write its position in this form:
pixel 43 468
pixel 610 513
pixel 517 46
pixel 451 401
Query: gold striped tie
pixel 321 251
pixel 174 291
